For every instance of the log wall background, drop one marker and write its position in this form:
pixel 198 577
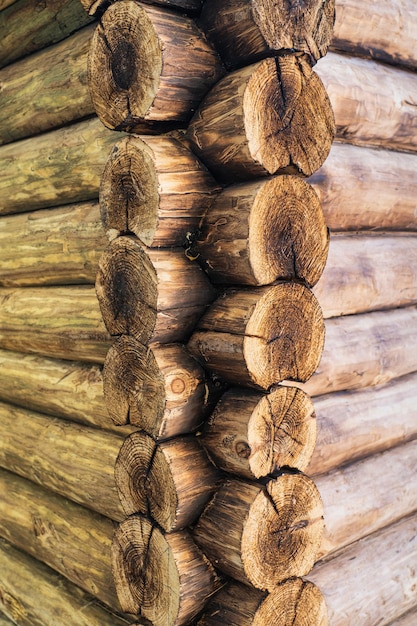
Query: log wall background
pixel 91 293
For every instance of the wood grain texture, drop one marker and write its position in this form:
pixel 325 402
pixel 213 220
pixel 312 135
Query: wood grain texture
pixel 408 619
pixel 95 7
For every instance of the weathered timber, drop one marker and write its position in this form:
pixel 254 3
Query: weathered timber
pixel 155 188
pixel 46 90
pixel 26 28
pixel 34 595
pixel 245 30
pixel 61 322
pixel 72 460
pixel 364 188
pixel 379 577
pixel 164 579
pixel 294 601
pixel 6 3
pixel 388 34
pixel 95 7
pixel 50 170
pixel 161 390
pixel 408 619
pixel 273 116
pixel 51 246
pixel 367 273
pixel 147 63
pixel 259 232
pixel 72 540
pixel 259 337
pixel 154 295
pixel 368 495
pixel 4 621
pixel 373 104
pixel 356 424
pixel 170 482
pixel 261 535
pixel 367 349
pixel 253 434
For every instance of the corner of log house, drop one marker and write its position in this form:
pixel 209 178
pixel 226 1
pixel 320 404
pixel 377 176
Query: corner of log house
pixel 208 320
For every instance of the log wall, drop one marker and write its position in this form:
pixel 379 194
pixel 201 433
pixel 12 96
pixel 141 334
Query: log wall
pixel 182 349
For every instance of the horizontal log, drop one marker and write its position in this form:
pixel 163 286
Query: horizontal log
pixel 368 273
pixel 373 104
pixel 51 246
pixel 60 322
pixel 72 460
pixel 372 581
pixel 161 390
pixel 95 7
pixel 72 540
pixel 259 535
pixel 356 424
pixel 46 90
pixel 294 601
pixel 50 170
pixel 253 434
pixel 162 578
pixel 260 232
pixel 155 188
pixel 259 337
pixel 24 581
pixel 147 63
pixel 387 34
pixel 364 350
pixel 270 117
pixel 157 295
pixel 244 30
pixel 368 495
pixel 364 188
pixel 26 29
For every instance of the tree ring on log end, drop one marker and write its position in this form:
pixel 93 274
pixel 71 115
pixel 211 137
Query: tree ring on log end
pixel 295 601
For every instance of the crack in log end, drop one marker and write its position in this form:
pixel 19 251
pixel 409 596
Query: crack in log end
pixel 123 63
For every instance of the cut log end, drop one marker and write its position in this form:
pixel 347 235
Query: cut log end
pixel 294 601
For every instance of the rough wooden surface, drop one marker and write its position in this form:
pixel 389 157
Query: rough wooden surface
pixel 378 581
pixel 244 30
pixel 256 233
pixel 97 6
pixel 34 595
pixel 408 619
pixel 373 104
pixel 147 63
pixel 52 246
pixel 61 322
pixel 363 188
pixel 273 116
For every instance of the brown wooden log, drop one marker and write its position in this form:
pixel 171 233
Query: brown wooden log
pixel 95 7
pixel 74 461
pixel 34 595
pixel 70 539
pixel 379 577
pixel 356 424
pixel 155 188
pixel 27 28
pixel 273 116
pixel 387 34
pixel 157 295
pixel 164 579
pixel 245 30
pixel 260 337
pixel 262 535
pixel 254 435
pixel 364 188
pixel 46 90
pixel 146 63
pixel 373 104
pixel 61 322
pixel 50 170
pixel 368 495
pixel 161 390
pixel 368 273
pixel 294 601
pixel 6 3
pixel 170 482
pixel 52 246
pixel 260 232
pixel 4 621
pixel 367 349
